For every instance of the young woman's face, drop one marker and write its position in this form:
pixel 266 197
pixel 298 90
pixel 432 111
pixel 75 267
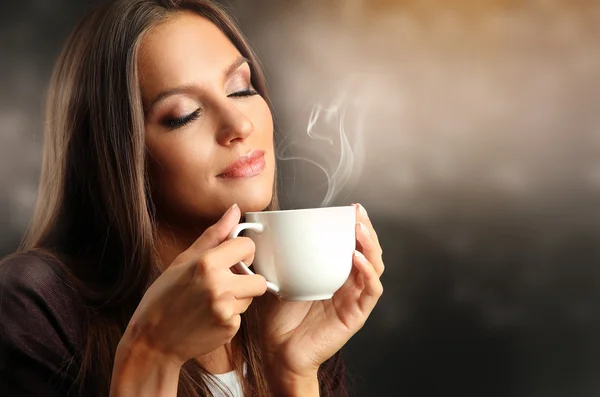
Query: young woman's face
pixel 209 135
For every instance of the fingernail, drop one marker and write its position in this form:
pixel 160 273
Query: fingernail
pixel 364 228
pixel 229 211
pixel 359 254
pixel 362 210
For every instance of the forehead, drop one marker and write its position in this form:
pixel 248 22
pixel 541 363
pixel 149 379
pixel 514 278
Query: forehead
pixel 187 48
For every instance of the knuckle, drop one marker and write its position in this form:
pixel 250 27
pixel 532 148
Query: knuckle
pixel 246 304
pixel 206 261
pixel 233 325
pixel 222 310
pixel 235 322
pixel 245 309
pixel 223 316
pixel 379 289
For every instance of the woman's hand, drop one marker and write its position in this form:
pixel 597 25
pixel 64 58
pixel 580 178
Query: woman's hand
pixel 194 306
pixel 299 336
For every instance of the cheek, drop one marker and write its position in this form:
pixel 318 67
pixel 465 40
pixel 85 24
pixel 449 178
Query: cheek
pixel 263 120
pixel 265 125
pixel 179 180
pixel 172 160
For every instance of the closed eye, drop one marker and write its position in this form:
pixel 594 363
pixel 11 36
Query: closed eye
pixel 244 93
pixel 178 122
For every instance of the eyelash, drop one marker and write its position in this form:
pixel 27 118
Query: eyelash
pixel 246 92
pixel 180 122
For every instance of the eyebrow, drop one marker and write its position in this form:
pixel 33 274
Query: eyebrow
pixel 189 88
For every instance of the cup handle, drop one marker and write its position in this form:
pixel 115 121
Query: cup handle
pixel 241 266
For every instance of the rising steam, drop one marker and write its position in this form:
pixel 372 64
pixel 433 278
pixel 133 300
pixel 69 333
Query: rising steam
pixel 334 143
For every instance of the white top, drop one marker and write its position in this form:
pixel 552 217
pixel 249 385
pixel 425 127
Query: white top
pixel 232 383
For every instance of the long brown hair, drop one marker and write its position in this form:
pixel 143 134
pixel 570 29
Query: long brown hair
pixel 94 212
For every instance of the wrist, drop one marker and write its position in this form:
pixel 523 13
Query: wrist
pixel 140 370
pixel 287 384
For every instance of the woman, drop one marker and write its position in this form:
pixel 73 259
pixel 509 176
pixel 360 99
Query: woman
pixel 123 286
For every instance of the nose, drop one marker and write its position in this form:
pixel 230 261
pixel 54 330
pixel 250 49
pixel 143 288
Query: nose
pixel 234 125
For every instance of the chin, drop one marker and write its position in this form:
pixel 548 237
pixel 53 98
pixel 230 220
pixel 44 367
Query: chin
pixel 251 195
pixel 254 204
pixel 250 198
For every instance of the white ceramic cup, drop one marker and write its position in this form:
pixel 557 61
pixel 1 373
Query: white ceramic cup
pixel 304 254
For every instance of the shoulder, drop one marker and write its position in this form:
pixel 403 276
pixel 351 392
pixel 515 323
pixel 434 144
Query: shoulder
pixel 31 269
pixel 34 294
pixel 39 327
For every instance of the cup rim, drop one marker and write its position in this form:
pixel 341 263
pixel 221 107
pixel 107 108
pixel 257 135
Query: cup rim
pixel 301 209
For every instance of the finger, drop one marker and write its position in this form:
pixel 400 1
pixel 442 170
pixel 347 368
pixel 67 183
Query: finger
pixel 248 286
pixel 217 233
pixel 369 247
pixel 229 253
pixel 372 285
pixel 354 281
pixel 362 216
pixel 241 305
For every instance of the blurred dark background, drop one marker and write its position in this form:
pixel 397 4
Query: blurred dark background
pixel 473 139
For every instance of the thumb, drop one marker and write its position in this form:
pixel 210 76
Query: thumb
pixel 217 233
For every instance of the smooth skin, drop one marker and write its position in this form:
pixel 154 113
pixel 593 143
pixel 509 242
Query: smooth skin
pixel 187 66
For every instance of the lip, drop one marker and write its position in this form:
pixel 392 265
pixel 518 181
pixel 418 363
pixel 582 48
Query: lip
pixel 246 166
